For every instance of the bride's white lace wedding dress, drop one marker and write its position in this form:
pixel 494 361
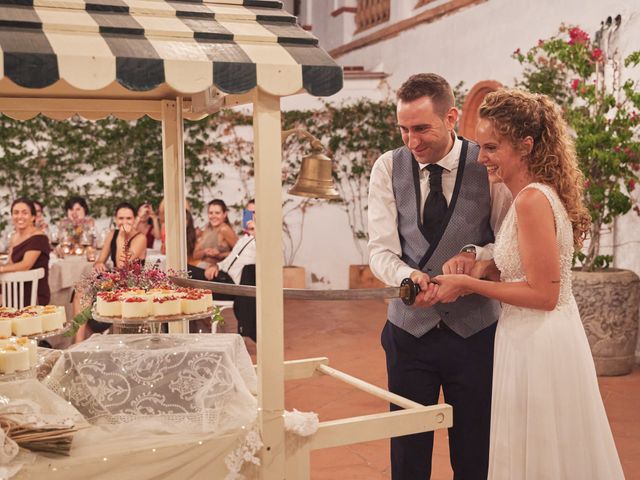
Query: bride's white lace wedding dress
pixel 547 418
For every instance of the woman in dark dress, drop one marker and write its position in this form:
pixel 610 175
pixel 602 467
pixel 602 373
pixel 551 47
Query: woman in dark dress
pixel 29 249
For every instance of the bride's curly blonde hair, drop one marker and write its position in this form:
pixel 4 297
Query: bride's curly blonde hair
pixel 515 115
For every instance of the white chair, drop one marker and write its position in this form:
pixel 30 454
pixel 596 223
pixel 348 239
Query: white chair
pixel 12 287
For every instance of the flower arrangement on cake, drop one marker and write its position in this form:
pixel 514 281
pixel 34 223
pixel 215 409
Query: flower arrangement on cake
pixel 133 291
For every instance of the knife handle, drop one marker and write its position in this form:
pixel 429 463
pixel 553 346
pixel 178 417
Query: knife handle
pixel 410 296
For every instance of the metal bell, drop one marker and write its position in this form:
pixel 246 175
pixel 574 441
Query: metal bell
pixel 315 178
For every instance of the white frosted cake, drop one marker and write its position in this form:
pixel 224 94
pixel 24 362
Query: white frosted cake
pixel 53 318
pixel 5 328
pixel 28 323
pixel 108 304
pixel 31 346
pixel 196 302
pixel 14 358
pixel 136 307
pixel 166 305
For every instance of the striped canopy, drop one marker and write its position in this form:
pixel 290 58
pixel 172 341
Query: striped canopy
pixel 157 49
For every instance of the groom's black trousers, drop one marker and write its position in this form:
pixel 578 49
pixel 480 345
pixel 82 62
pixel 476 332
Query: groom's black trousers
pixel 417 368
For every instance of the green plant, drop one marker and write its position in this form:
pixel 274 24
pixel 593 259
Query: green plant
pixel 106 161
pixel 601 105
pixel 356 134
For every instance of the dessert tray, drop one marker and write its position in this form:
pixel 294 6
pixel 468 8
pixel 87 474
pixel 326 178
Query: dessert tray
pixel 152 319
pixel 50 333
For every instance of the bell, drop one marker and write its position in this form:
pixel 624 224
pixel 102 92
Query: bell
pixel 315 179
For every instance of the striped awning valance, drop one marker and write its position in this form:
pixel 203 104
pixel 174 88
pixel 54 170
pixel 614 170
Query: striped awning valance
pixel 180 46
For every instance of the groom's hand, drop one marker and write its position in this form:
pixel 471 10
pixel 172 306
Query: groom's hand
pixel 462 263
pixel 428 295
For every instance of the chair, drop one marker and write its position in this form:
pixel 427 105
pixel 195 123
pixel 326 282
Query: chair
pixel 12 287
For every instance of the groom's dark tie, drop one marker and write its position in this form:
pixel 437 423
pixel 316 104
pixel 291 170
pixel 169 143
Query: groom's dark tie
pixel 436 205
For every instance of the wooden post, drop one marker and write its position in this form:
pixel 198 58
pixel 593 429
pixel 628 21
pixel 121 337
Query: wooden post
pixel 174 197
pixel 269 261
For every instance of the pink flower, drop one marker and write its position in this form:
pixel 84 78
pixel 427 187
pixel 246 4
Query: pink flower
pixel 575 84
pixel 634 117
pixel 540 43
pixel 576 35
pixel 596 54
pixel 516 51
pixel 631 185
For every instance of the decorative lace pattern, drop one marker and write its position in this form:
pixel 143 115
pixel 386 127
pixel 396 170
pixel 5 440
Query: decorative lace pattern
pixel 246 452
pixel 507 253
pixel 196 382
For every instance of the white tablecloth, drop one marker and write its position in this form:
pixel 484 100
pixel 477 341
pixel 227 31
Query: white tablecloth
pixel 198 382
pixel 64 273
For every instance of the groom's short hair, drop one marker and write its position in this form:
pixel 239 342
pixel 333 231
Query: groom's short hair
pixel 428 85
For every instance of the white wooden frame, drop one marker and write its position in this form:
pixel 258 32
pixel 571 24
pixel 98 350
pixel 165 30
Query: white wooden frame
pixel 277 462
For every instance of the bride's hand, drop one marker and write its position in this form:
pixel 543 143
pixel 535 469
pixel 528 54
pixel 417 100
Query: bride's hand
pixel 451 287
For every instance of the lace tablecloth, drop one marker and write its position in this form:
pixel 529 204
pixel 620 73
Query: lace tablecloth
pixel 175 383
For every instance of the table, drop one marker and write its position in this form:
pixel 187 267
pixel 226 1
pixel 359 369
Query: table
pixel 197 382
pixel 64 273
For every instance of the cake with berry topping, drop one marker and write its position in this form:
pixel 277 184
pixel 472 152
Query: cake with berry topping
pixel 108 304
pixel 196 301
pixel 166 305
pixel 136 307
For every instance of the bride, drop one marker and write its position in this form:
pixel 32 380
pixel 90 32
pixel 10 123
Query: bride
pixel 547 416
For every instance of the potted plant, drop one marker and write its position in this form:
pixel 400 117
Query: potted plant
pixel 586 77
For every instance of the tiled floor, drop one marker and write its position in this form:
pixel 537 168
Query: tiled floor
pixel 349 335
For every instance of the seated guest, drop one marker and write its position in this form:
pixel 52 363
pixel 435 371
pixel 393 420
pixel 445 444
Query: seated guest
pixel 29 249
pixel 147 223
pixel 243 253
pixel 76 222
pixel 123 235
pixel 218 238
pixel 240 265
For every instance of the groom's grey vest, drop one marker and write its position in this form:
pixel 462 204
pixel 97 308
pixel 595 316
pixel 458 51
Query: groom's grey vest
pixel 466 221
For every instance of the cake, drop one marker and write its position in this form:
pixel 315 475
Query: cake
pixel 31 346
pixel 108 304
pixel 166 305
pixel 131 292
pixel 136 307
pixel 5 328
pixel 160 292
pixel 53 318
pixel 208 299
pixel 27 323
pixel 196 302
pixel 14 358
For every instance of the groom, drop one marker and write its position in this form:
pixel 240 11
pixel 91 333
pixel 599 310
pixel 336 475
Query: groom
pixel 431 208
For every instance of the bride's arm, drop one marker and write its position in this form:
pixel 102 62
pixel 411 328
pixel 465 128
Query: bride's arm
pixel 539 255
